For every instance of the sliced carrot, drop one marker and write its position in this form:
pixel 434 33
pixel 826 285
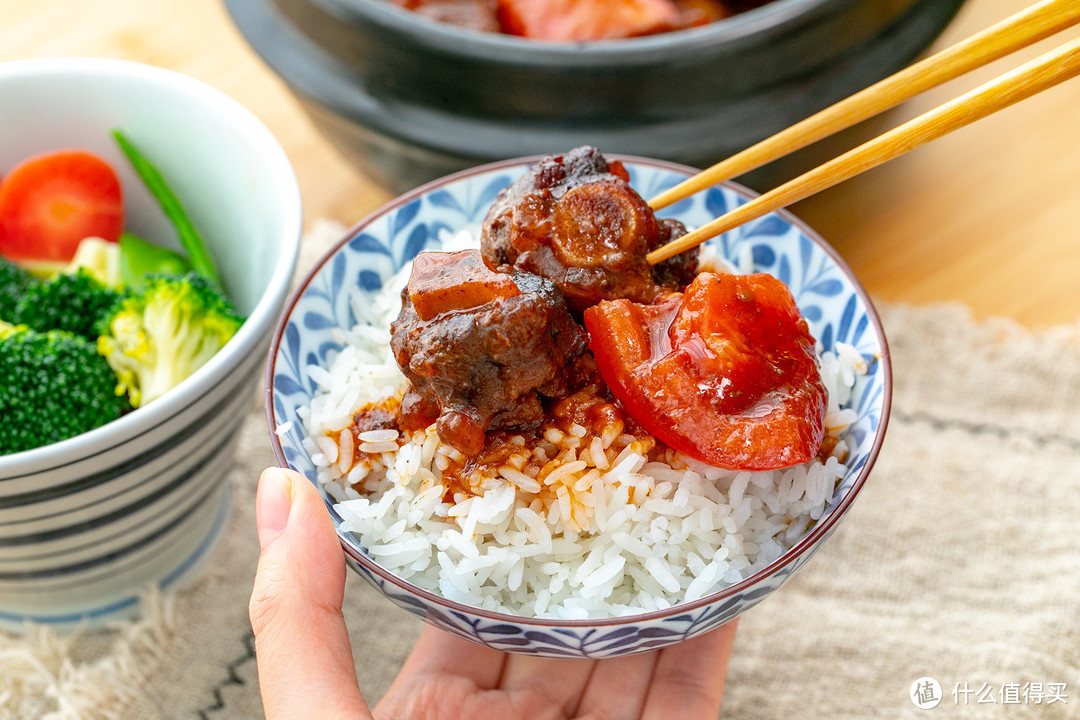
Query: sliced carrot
pixel 51 202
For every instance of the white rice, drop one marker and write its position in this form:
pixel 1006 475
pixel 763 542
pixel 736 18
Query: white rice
pixel 615 528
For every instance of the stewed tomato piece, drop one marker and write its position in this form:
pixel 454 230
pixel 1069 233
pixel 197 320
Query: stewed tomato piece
pixel 577 20
pixel 724 372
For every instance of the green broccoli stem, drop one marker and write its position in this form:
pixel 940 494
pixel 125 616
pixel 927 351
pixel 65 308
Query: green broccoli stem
pixel 138 259
pixel 200 257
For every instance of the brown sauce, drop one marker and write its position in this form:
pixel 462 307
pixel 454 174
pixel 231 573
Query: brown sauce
pixel 587 408
pixel 376 416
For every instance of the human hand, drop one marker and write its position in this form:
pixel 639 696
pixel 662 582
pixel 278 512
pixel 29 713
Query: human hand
pixel 306 666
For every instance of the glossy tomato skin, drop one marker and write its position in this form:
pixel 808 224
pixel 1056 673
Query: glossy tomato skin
pixel 725 372
pixel 51 202
pixel 577 20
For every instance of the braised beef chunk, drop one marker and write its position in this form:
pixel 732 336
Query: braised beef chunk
pixel 744 5
pixel 483 361
pixel 679 271
pixel 375 417
pixel 473 14
pixel 575 220
pixel 693 13
pixel 576 20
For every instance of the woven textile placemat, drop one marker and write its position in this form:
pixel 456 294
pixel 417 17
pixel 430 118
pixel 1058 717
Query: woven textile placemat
pixel 960 562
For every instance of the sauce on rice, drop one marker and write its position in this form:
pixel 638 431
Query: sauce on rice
pixel 586 431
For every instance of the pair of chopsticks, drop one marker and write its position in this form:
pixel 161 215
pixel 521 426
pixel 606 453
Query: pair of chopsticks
pixel 1037 22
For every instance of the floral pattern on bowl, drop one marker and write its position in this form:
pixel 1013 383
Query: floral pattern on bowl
pixel 836 307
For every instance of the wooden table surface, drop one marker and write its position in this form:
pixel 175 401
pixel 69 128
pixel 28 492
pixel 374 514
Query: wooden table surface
pixel 987 216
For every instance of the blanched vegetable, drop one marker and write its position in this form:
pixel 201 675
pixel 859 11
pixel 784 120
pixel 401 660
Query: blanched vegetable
pixel 139 258
pixel 155 339
pixel 190 239
pixel 100 258
pixel 51 202
pixel 53 386
pixel 74 302
pixel 14 281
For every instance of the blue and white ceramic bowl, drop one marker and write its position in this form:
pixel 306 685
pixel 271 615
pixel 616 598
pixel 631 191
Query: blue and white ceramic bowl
pixel 831 299
pixel 89 524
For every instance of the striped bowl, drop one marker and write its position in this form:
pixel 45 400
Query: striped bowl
pixel 89 524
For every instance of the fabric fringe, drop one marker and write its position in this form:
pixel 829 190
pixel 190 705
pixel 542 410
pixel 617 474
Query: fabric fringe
pixel 43 676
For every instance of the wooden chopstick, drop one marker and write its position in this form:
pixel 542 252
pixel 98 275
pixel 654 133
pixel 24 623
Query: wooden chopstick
pixel 1029 79
pixel 1037 22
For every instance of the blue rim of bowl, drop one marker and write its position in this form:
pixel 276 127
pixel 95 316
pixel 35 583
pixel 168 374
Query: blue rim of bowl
pixel 207 379
pixel 819 530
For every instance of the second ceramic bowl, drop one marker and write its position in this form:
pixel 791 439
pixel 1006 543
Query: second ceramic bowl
pixel 409 100
pixel 310 334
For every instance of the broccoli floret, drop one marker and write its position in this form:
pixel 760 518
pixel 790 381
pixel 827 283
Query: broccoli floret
pixel 14 282
pixel 75 302
pixel 53 386
pixel 155 339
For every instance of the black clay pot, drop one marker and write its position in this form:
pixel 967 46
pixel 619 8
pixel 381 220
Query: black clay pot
pixel 409 99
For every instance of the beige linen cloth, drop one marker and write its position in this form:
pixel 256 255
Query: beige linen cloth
pixel 960 561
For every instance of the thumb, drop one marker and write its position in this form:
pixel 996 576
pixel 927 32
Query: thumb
pixel 302 647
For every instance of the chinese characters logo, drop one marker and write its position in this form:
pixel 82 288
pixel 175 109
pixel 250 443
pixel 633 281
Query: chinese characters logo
pixel 926 693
